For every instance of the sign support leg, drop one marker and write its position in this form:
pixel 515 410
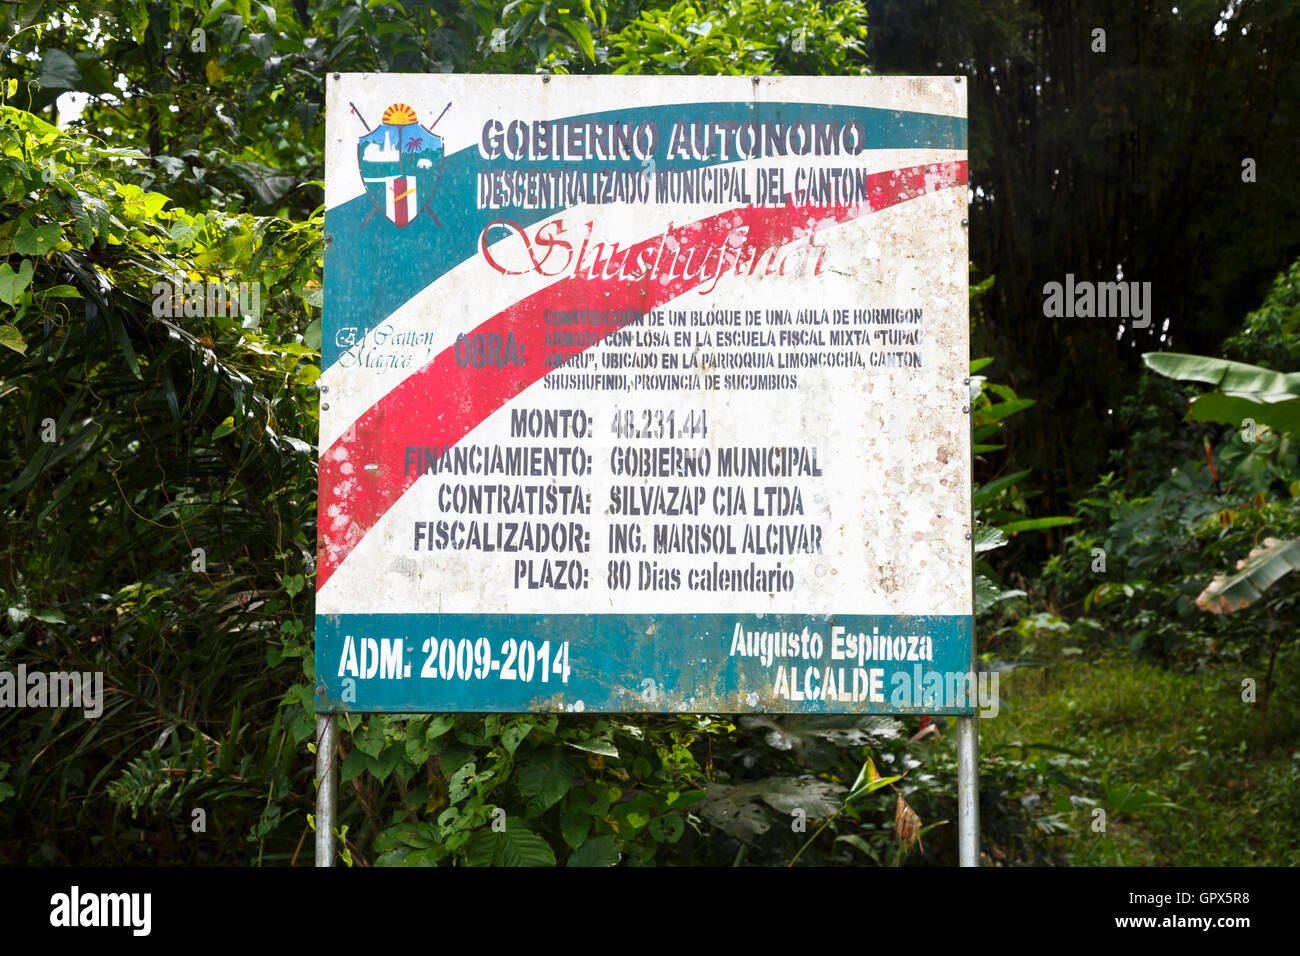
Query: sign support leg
pixel 968 791
pixel 326 765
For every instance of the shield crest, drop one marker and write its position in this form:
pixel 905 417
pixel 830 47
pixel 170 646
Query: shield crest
pixel 401 164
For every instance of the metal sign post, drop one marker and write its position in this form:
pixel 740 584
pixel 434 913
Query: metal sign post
pixel 326 787
pixel 645 395
pixel 968 797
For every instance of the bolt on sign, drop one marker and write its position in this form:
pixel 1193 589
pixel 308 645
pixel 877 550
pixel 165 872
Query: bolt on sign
pixel 644 394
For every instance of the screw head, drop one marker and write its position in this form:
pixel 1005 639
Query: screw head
pixel 965 409
pixel 336 76
pixel 324 406
pixel 965 222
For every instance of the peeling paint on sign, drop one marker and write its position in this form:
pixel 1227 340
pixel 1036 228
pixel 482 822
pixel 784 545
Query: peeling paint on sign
pixel 645 395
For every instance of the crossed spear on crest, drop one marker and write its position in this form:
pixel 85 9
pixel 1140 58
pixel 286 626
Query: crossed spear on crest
pixel 410 146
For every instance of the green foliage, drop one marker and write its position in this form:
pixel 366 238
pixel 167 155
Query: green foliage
pixel 1254 575
pixel 742 37
pixel 523 790
pixel 1270 335
pixel 226 101
pixel 1000 504
pixel 202 161
pixel 1168 755
pixel 1246 392
pixel 1128 800
pixel 1249 396
pixel 1218 533
pixel 1160 551
pixel 163 534
pixel 1083 162
pixel 170 787
pixel 122 471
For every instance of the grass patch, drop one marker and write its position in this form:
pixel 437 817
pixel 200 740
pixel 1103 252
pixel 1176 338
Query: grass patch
pixel 1141 737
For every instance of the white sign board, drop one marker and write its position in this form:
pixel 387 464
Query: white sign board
pixel 644 394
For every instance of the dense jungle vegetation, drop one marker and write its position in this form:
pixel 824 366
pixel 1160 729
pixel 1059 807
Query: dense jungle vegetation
pixel 1139 517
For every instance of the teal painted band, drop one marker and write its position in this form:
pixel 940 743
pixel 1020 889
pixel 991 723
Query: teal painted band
pixel 625 663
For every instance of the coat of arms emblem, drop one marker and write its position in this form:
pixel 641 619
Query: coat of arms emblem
pixel 401 163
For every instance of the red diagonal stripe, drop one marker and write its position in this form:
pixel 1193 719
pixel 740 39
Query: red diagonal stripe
pixel 441 403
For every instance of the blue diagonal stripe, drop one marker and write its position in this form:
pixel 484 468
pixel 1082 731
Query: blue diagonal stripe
pixel 370 272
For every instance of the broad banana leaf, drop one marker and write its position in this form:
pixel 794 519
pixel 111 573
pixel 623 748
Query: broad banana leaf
pixel 1246 391
pixel 1233 408
pixel 1228 376
pixel 1256 573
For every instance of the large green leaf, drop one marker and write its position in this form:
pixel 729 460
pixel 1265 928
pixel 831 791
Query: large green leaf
pixel 985 493
pixel 988 593
pixel 598 851
pixel 59 71
pixel 516 845
pixel 11 338
pixel 732 808
pixel 1001 410
pixel 1245 391
pixel 311 336
pixel 543 781
pixel 1228 376
pixel 1280 414
pixel 37 240
pixel 1255 574
pixel 987 538
pixel 582 34
pixel 13 283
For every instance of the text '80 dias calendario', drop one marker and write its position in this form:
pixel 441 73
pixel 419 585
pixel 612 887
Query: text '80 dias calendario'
pixel 644 394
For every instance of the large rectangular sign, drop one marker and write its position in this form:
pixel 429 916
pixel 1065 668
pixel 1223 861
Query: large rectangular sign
pixel 644 394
